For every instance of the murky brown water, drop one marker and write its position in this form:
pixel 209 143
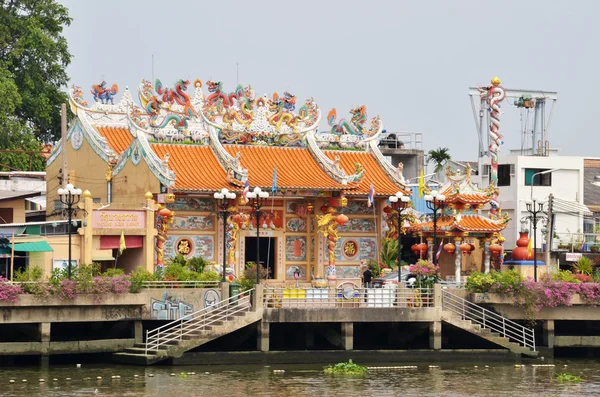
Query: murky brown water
pixel 448 380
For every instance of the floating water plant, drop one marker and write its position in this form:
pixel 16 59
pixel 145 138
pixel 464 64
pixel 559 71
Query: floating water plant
pixel 345 368
pixel 566 377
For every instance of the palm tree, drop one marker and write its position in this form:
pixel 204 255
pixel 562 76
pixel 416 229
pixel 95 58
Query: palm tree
pixel 439 156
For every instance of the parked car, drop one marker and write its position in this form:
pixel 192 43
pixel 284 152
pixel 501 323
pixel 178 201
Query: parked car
pixel 408 279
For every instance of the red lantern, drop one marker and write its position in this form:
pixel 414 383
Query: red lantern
pixel 309 208
pixel 495 249
pixel 165 212
pixel 237 218
pixel 449 248
pixel 324 208
pixel 423 249
pixel 415 248
pixel 341 219
pixel 465 248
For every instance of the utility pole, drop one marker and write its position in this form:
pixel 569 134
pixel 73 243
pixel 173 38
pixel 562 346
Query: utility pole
pixel 63 139
pixel 550 234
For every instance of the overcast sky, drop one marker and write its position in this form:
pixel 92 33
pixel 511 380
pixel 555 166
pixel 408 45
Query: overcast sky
pixel 409 61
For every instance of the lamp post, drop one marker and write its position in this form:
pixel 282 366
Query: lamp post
pixel 435 202
pixel 399 202
pixel 225 199
pixel 257 200
pixel 533 179
pixel 534 208
pixel 69 197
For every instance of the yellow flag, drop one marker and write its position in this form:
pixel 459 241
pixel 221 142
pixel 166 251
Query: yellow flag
pixel 122 245
pixel 421 183
pixel 530 248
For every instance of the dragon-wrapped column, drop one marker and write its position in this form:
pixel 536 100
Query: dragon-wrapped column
pixel 494 94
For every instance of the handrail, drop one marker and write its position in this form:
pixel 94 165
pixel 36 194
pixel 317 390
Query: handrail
pixel 239 302
pixel 487 319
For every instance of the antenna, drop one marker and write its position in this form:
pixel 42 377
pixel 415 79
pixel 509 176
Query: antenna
pixel 237 73
pixel 152 69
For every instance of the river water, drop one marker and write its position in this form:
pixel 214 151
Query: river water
pixel 456 379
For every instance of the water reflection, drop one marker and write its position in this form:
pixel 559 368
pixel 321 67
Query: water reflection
pixel 447 380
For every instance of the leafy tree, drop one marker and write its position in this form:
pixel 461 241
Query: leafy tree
pixel 33 58
pixel 21 149
pixel 438 156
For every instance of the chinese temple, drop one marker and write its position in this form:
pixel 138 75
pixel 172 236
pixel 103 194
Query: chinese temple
pixel 173 148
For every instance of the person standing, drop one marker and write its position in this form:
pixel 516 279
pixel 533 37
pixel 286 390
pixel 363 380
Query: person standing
pixel 367 278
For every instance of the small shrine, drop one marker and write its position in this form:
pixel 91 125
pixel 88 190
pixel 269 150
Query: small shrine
pixel 468 238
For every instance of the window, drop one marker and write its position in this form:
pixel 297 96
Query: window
pixel 504 174
pixel 540 180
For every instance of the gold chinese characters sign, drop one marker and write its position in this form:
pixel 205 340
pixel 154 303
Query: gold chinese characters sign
pixel 119 219
pixel 184 247
pixel 350 249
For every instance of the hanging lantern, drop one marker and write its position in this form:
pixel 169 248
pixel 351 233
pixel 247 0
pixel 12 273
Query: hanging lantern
pixel 423 249
pixel 341 219
pixel 324 208
pixel 415 248
pixel 495 250
pixel 465 248
pixel 310 208
pixel 449 248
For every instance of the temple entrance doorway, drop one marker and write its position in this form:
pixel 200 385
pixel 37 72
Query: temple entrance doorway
pixel 267 254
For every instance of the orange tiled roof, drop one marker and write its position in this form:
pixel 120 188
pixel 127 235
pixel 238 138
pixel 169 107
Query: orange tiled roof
pixel 373 173
pixel 196 167
pixel 468 198
pixel 118 139
pixel 296 168
pixel 465 223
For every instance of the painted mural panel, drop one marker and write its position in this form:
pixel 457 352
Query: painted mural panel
pixel 358 207
pixel 295 248
pixel 295 225
pixel 290 270
pixel 347 271
pixel 190 246
pixel 273 219
pixel 193 222
pixel 192 204
pixel 359 225
pixel 367 249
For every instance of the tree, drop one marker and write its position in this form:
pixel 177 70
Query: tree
pixel 19 148
pixel 438 156
pixel 33 59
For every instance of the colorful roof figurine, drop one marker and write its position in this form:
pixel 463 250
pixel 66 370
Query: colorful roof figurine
pixel 197 142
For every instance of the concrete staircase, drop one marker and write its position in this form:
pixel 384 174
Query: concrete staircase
pixel 488 325
pixel 177 337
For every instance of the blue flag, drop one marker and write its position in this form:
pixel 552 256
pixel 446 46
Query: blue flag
pixel 274 188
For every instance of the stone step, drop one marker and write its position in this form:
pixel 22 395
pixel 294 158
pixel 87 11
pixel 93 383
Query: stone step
pixel 139 350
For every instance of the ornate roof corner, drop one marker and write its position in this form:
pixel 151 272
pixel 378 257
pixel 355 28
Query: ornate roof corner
pixel 76 98
pixel 140 148
pixel 394 173
pixel 331 167
pixel 352 134
pixel 236 175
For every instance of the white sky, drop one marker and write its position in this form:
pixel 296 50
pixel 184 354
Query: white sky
pixel 409 61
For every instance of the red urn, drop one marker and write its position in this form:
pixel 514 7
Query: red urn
pixel 449 248
pixel 521 253
pixel 495 250
pixel 165 212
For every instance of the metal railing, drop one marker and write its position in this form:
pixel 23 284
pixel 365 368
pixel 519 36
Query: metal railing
pixel 487 319
pixel 180 284
pixel 347 297
pixel 193 323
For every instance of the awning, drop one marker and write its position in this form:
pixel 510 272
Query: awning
pixel 35 246
pixel 110 242
pixel 10 230
pixel 102 258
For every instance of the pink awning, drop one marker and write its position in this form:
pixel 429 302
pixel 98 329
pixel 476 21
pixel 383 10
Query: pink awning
pixel 110 242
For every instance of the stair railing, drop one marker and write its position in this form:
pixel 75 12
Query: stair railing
pixel 487 319
pixel 193 323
